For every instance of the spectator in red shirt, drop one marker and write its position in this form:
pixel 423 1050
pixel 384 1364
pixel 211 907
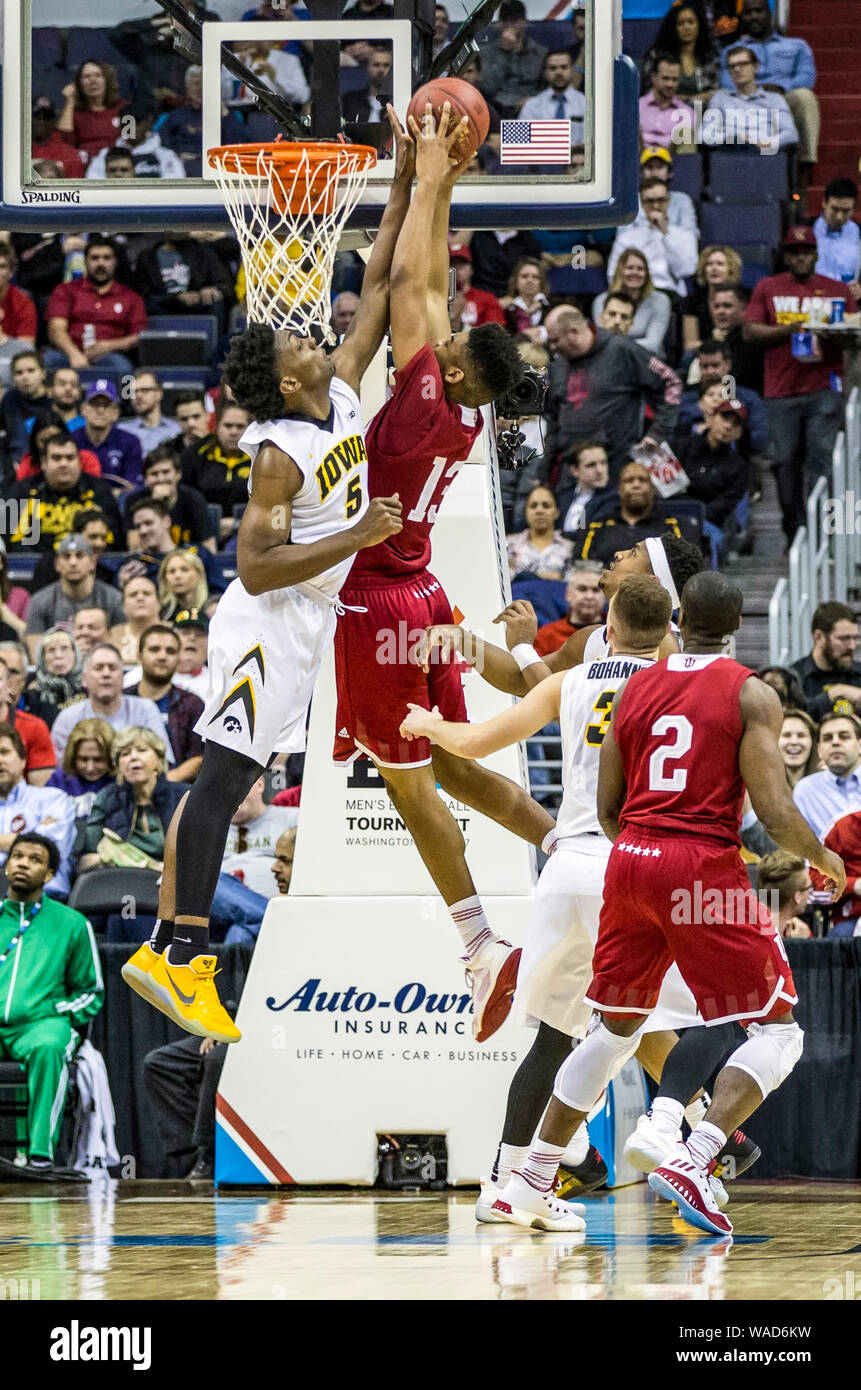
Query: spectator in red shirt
pixel 585 603
pixel 90 119
pixel 803 409
pixel 95 320
pixel 50 143
pixel 17 310
pixel 48 424
pixel 470 307
pixel 34 732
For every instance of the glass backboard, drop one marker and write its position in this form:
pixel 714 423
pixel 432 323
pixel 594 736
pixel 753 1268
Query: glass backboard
pixel 166 108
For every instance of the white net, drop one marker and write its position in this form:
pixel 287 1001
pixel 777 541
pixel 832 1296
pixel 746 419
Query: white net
pixel 288 219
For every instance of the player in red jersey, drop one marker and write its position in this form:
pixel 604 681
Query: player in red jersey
pixel 686 737
pixel 417 444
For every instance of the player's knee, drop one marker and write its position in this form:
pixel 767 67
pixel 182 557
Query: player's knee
pixel 583 1076
pixel 769 1054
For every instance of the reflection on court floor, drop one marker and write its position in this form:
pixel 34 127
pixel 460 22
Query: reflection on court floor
pixel 132 1240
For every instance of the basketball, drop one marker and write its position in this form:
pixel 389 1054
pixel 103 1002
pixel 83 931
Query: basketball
pixel 465 100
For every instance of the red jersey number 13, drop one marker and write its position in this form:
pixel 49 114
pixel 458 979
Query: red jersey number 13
pixel 422 511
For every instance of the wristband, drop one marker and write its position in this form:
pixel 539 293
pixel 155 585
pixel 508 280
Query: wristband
pixel 525 655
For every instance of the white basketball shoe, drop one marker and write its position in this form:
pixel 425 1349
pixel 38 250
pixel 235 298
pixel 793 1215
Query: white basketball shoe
pixel 523 1205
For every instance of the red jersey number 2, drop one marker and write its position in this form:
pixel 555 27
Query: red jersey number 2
pixel 659 779
pixel 422 511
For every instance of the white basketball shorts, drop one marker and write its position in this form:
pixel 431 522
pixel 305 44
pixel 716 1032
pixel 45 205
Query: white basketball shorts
pixel 263 657
pixel 556 964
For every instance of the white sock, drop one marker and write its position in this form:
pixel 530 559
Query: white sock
pixel 542 1165
pixel 705 1143
pixel 468 916
pixel 577 1150
pixel 510 1156
pixel 696 1110
pixel 667 1115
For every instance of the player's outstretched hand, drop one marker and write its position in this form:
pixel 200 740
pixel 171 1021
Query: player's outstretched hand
pixel 832 868
pixel 405 148
pixel 447 636
pixel 419 722
pixel 383 518
pixel 520 622
pixel 434 143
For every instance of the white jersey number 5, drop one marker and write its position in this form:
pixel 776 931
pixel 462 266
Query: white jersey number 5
pixel 670 752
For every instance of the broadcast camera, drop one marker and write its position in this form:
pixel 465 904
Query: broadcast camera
pixel 526 398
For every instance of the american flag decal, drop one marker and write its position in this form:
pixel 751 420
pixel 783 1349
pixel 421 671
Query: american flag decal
pixel 535 142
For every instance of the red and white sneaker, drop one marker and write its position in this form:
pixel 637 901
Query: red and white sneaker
pixel 680 1180
pixel 524 1205
pixel 485 1200
pixel 492 978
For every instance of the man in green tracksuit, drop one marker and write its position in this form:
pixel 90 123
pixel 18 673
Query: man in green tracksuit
pixel 50 985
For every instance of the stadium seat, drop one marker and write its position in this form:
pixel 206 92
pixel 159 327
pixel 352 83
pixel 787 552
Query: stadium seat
pixel 638 35
pixel 173 348
pixel 731 224
pixel 178 379
pixel 186 323
pixel 14 1107
pixel 105 890
pixel 564 279
pixel 215 515
pixel 688 175
pixel 88 375
pixel 735 177
pixel 547 596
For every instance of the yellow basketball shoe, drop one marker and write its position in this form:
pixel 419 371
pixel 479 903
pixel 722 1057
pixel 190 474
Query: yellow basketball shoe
pixel 194 997
pixel 137 973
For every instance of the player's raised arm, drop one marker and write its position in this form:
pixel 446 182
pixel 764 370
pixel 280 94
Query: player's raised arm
pixel 612 787
pixel 371 320
pixel 411 267
pixel 266 558
pixel 764 775
pixel 540 707
pixel 439 319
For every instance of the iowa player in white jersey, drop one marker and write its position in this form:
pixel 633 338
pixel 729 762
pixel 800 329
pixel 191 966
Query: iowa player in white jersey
pixel 556 965
pixel 307 516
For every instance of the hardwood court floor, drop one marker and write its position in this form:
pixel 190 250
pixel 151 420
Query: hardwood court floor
pixel 137 1239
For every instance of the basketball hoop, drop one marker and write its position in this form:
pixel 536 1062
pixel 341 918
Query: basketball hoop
pixel 287 203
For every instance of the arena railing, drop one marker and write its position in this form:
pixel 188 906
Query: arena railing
pixel 825 555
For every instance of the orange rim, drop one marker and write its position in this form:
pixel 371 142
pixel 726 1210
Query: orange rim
pixel 317 196
pixel 287 154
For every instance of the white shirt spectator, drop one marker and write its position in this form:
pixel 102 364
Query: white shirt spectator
pixel 289 81
pixel 48 811
pixel 680 213
pixel 150 436
pixel 132 710
pixel 548 106
pixel 839 251
pixel 672 255
pixel 253 865
pixel 152 160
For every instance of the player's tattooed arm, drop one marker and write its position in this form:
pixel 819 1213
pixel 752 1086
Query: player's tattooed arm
pixel 266 559
pixel 539 707
pixel 612 787
pixel 764 775
pixel 369 325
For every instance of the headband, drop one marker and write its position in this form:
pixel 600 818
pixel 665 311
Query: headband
pixel 661 568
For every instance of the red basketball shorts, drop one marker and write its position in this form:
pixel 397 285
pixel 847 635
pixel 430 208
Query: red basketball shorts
pixel 686 899
pixel 378 673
